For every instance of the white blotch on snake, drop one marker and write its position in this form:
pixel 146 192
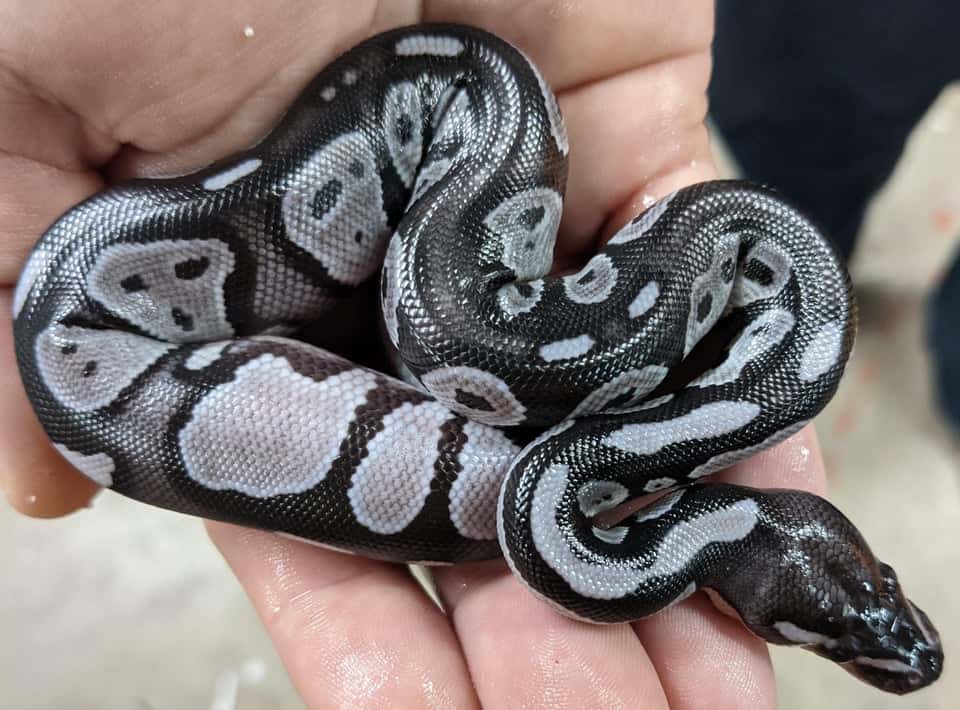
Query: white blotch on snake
pixel 479 395
pixel 98 468
pixel 333 209
pixel 484 460
pixel 644 301
pixel 205 355
pixel 757 339
pixel 659 507
pixel 526 227
pixel 658 484
pixel 594 282
pixel 642 223
pixel 437 45
pixel 766 270
pixel 402 124
pixel 596 496
pixel 822 352
pixel 517 298
pixel 250 434
pixel 558 128
pixel 794 634
pixel 392 482
pixel 623 392
pixel 172 289
pixel 232 174
pixel 710 291
pixel 672 553
pixel 86 369
pixel 707 421
pixel 567 349
pixel 611 536
pixel 728 458
pixel 389 290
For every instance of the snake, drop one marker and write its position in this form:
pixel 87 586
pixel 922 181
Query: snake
pixel 352 333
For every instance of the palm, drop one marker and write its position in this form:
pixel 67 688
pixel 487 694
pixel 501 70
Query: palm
pixel 110 91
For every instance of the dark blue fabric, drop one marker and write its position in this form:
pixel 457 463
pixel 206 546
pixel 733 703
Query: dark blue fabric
pixel 817 98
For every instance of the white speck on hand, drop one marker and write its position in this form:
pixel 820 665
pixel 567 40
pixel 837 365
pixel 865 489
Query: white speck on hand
pixel 248 31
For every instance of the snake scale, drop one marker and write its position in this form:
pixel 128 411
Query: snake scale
pixel 168 333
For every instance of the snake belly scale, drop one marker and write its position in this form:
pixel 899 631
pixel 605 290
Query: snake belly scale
pixel 161 325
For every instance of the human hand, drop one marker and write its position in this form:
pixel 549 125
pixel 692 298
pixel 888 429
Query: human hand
pixel 103 92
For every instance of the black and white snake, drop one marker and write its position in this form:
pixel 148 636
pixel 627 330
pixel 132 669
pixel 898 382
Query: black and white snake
pixel 166 332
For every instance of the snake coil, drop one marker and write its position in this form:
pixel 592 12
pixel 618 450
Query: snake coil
pixel 167 333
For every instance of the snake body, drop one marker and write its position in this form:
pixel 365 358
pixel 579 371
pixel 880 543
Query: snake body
pixel 167 333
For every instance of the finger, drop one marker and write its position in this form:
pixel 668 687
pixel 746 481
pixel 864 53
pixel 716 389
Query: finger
pixel 522 653
pixel 351 632
pixel 35 478
pixel 699 652
pixel 633 138
pixel 575 43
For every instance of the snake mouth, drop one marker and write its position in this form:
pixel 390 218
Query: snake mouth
pixel 909 655
pixel 896 676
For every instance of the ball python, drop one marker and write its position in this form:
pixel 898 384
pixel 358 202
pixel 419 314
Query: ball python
pixel 174 336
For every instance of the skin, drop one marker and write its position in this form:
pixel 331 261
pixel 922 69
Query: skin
pixel 99 91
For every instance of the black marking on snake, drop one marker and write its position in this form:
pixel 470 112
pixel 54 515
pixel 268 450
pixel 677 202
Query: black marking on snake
pixel 450 264
pixel 587 277
pixel 531 217
pixel 326 197
pixel 524 289
pixel 356 168
pixel 191 268
pixel 703 308
pixel 183 320
pixel 473 401
pixel 405 128
pixel 728 270
pixel 756 270
pixel 132 284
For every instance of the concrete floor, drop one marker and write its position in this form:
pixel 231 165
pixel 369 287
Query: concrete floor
pixel 129 608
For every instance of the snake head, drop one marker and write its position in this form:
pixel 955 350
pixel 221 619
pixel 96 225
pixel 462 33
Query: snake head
pixel 892 643
pixel 876 634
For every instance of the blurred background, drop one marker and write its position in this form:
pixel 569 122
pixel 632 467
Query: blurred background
pixel 850 109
